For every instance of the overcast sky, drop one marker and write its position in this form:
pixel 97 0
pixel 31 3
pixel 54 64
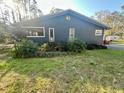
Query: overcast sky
pixel 86 7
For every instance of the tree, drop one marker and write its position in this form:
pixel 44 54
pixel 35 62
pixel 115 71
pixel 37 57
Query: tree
pixel 5 20
pixel 115 20
pixel 20 10
pixel 55 10
pixel 102 16
pixel 122 8
pixel 29 8
pixel 17 11
pixel 5 36
pixel 34 10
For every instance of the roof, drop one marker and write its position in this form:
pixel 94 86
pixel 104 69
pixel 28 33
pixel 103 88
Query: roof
pixel 69 11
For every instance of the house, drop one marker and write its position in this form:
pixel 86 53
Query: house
pixel 64 26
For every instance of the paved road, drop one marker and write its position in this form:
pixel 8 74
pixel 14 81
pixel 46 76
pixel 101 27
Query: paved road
pixel 116 46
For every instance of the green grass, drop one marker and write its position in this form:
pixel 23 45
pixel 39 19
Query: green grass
pixel 98 71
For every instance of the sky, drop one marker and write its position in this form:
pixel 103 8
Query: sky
pixel 86 7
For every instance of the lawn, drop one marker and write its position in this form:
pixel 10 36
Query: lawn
pixel 97 71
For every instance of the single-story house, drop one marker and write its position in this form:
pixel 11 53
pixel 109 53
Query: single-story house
pixel 64 26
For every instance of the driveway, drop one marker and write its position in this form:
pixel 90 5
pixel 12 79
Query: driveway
pixel 116 46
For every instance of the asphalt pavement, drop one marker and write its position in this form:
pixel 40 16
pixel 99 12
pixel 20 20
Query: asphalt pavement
pixel 116 46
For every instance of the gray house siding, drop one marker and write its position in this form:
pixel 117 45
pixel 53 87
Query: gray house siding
pixel 86 31
pixel 61 28
pixel 84 28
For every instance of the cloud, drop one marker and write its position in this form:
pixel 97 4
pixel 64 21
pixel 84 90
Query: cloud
pixel 46 5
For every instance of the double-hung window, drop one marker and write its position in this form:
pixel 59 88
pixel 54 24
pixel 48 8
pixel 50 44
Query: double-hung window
pixel 98 33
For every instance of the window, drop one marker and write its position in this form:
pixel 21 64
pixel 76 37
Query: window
pixel 51 35
pixel 71 33
pixel 98 33
pixel 68 18
pixel 36 32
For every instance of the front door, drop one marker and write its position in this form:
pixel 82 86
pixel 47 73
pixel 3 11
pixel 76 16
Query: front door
pixel 51 35
pixel 71 33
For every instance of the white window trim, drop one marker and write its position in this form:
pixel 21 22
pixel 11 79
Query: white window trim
pixel 35 36
pixel 31 27
pixel 53 34
pixel 98 34
pixel 37 27
pixel 70 29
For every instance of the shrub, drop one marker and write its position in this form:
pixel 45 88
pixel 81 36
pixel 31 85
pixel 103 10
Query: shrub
pixel 48 47
pixel 43 48
pixel 24 49
pixel 51 46
pixel 76 46
pixel 95 46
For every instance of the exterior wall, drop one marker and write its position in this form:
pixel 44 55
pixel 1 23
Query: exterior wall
pixel 60 25
pixel 83 30
pixel 86 31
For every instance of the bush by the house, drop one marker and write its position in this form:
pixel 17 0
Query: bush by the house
pixel 61 47
pixel 71 46
pixel 43 48
pixel 52 47
pixel 95 46
pixel 24 48
pixel 76 46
